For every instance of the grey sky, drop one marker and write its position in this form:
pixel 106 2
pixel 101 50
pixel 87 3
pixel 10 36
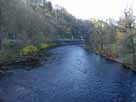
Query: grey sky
pixel 102 9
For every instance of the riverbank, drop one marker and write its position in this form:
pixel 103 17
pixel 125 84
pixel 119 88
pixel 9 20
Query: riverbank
pixel 25 61
pixel 28 60
pixel 115 59
pixel 118 60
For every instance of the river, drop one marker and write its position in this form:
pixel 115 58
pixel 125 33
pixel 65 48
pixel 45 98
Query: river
pixel 71 75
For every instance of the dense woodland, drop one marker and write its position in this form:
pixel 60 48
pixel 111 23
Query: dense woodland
pixel 27 26
pixel 116 40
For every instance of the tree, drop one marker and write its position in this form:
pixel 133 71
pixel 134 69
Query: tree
pixel 130 51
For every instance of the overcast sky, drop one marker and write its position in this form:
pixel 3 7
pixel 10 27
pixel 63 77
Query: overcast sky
pixel 102 9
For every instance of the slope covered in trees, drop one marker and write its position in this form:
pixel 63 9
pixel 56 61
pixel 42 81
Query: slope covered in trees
pixel 34 22
pixel 116 40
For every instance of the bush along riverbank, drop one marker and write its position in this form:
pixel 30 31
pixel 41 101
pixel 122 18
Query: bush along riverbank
pixel 27 55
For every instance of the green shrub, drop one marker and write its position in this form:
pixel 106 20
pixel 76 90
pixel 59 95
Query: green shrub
pixel 29 50
pixel 43 46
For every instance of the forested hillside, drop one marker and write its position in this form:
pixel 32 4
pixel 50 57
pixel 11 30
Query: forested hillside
pixel 116 40
pixel 33 23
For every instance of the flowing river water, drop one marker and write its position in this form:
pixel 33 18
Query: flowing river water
pixel 71 75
